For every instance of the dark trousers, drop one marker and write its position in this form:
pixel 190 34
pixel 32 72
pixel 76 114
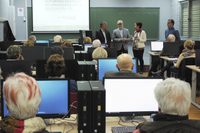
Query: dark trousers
pixel 139 55
pixel 154 66
pixel 167 67
pixel 121 51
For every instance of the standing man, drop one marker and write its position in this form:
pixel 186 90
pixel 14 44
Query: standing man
pixel 103 34
pixel 172 30
pixel 121 37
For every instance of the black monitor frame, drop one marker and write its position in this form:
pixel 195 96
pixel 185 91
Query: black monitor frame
pixel 54 44
pixel 137 113
pixel 42 115
pixel 41 44
pixel 197 45
pixel 172 48
pixel 5 44
pixel 197 59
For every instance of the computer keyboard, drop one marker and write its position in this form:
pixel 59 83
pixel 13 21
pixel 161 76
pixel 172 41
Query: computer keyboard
pixel 123 129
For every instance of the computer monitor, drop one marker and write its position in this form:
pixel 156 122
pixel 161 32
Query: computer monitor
pixel 156 46
pixel 54 44
pixel 70 69
pixel 172 48
pixel 55 99
pixel 197 59
pixel 33 53
pixel 107 64
pixel 86 46
pixel 13 66
pixel 5 44
pixel 41 44
pixel 130 96
pixel 43 41
pixel 197 45
pixel 68 52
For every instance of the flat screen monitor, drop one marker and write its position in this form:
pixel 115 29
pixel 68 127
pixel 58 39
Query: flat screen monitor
pixel 5 44
pixel 70 69
pixel 130 96
pixel 105 65
pixel 86 46
pixel 197 59
pixel 68 52
pixel 172 48
pixel 33 53
pixel 55 99
pixel 41 44
pixel 156 46
pixel 54 44
pixel 13 66
pixel 197 45
pixel 43 41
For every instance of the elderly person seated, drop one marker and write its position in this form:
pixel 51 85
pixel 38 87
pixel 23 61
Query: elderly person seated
pixel 96 43
pixel 28 43
pixel 14 53
pixel 58 39
pixel 22 99
pixel 187 52
pixel 174 100
pixel 99 53
pixel 66 44
pixel 32 38
pixel 87 40
pixel 170 38
pixel 55 68
pixel 125 66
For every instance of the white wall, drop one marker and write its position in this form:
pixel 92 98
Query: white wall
pixel 4 9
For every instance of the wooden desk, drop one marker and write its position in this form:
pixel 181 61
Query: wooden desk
pixel 64 126
pixel 166 59
pixel 194 83
pixel 153 57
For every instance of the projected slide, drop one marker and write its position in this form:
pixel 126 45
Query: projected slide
pixel 60 15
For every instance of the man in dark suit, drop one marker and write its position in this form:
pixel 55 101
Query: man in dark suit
pixel 121 37
pixel 103 34
pixel 125 66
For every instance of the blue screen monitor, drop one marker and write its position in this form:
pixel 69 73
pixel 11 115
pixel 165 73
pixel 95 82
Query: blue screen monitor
pixel 43 41
pixel 86 46
pixel 55 99
pixel 105 65
pixel 120 93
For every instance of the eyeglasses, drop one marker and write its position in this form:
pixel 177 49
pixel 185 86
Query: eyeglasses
pixel 119 24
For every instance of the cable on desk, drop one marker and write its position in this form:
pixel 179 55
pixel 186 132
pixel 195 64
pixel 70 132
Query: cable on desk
pixel 71 126
pixel 69 109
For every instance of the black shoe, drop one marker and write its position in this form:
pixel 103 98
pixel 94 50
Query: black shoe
pixel 141 72
pixel 158 73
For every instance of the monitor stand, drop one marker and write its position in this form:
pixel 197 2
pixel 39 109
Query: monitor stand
pixel 132 118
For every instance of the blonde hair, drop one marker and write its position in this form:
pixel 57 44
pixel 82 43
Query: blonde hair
pixel 189 44
pixel 173 96
pixel 13 52
pixel 28 43
pixel 99 53
pixel 22 95
pixel 87 40
pixel 66 44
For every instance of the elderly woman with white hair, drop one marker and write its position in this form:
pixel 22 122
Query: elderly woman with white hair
pixel 174 100
pixel 99 53
pixel 22 96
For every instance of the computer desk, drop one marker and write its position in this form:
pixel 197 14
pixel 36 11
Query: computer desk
pixel 153 57
pixel 166 59
pixel 194 69
pixel 63 125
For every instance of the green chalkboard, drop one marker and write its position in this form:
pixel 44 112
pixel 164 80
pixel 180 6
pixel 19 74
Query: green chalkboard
pixel 148 16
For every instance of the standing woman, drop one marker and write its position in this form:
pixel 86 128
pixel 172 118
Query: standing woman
pixel 138 44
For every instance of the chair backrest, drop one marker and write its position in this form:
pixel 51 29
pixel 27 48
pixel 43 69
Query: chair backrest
pixel 183 71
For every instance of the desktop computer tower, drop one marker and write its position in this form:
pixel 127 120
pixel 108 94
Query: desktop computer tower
pixel 82 69
pixel 84 55
pixel 91 72
pixel 84 98
pixel 98 107
pixel 78 55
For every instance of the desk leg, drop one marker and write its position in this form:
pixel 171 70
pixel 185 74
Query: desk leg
pixel 165 73
pixel 194 85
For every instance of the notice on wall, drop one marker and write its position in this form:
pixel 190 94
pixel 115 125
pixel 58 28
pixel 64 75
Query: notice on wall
pixel 20 11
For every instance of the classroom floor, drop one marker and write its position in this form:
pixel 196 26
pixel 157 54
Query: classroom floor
pixel 194 113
